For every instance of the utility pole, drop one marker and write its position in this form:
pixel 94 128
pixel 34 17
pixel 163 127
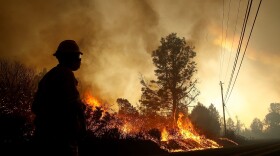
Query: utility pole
pixel 223 103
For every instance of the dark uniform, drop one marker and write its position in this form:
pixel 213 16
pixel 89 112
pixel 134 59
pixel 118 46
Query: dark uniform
pixel 59 122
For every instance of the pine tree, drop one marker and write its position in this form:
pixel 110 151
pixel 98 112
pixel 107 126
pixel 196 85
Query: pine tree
pixel 175 67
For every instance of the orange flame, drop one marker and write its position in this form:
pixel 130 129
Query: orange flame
pixel 187 137
pixel 164 135
pixel 187 130
pixel 91 100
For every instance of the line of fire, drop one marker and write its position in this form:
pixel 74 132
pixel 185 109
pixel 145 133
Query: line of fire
pixel 184 136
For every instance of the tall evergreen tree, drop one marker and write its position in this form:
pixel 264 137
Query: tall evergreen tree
pixel 230 124
pixel 126 108
pixel 206 120
pixel 175 67
pixel 272 120
pixel 257 126
pixel 150 101
pixel 215 120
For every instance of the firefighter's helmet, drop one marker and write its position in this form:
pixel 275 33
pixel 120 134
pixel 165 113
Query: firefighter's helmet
pixel 67 47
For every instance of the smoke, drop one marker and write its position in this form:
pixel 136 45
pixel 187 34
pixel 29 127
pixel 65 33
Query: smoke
pixel 116 36
pixel 31 30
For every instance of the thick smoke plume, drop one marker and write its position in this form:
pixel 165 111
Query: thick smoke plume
pixel 116 36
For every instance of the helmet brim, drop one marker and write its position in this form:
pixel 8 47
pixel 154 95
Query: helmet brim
pixel 62 53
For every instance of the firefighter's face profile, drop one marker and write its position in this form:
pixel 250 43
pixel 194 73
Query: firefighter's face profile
pixel 76 61
pixel 72 61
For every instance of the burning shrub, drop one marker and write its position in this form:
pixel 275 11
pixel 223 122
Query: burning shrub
pixel 128 124
pixel 99 122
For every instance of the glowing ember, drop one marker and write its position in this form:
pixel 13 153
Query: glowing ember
pixel 226 139
pixel 126 128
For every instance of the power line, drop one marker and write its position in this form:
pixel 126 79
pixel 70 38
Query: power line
pixel 233 38
pixel 245 48
pixel 228 112
pixel 240 43
pixel 221 54
pixel 248 9
pixel 225 40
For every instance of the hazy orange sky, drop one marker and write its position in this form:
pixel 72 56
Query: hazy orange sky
pixel 118 36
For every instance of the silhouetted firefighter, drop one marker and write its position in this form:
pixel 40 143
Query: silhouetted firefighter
pixel 59 111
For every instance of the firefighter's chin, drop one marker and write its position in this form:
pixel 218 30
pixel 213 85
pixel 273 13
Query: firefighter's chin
pixel 75 66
